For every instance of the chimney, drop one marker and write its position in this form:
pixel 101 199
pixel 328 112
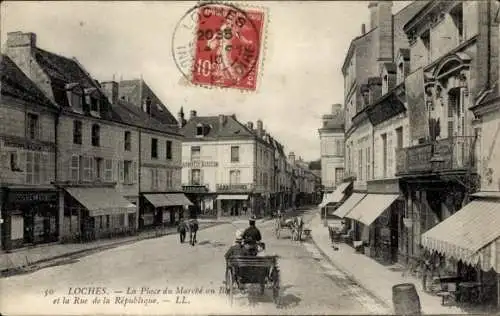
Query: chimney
pixel 336 108
pixel 192 114
pixel 110 88
pixel 385 29
pixel 260 128
pixel 20 39
pixel 363 29
pixel 222 119
pixel 373 6
pixel 291 157
pixel 250 126
pixel 180 118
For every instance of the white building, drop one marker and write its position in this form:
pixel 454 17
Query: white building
pixel 331 136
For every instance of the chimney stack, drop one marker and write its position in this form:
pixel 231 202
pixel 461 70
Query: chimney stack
pixel 180 118
pixel 250 126
pixel 222 119
pixel 260 128
pixel 192 114
pixel 363 29
pixel 110 88
pixel 373 6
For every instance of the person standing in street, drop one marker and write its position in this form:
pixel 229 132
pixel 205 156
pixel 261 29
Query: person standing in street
pixel 182 229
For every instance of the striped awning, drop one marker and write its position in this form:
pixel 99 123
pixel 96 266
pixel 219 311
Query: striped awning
pixel 470 235
pixel 371 207
pixel 349 204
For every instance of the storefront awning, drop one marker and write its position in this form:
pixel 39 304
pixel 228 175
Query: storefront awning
pixel 233 197
pixel 349 204
pixel 371 207
pixel 465 234
pixel 158 200
pixel 326 199
pixel 338 194
pixel 102 201
pixel 177 199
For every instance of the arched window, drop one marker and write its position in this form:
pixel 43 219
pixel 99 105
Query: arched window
pixel 96 135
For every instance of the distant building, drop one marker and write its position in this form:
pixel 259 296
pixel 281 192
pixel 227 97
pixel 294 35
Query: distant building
pixel 331 136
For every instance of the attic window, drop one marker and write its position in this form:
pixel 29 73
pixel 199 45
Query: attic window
pixel 75 96
pixel 199 130
pixel 385 84
pixel 401 72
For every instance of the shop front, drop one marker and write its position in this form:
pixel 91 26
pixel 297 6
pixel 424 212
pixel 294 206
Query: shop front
pixel 30 216
pixel 96 212
pixel 465 248
pixel 233 204
pixel 162 209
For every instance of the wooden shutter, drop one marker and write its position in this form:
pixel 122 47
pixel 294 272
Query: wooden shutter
pixel 202 176
pixel 134 170
pixel 121 171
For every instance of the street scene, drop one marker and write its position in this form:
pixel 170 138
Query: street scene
pixel 267 157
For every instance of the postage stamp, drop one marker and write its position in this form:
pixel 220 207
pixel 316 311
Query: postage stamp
pixel 219 44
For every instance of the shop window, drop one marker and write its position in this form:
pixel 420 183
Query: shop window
pixel 77 132
pixel 33 126
pixel 128 141
pixel 154 148
pixel 96 137
pixel 169 149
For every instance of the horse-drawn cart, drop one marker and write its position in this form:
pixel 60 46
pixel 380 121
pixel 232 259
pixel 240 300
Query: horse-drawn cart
pixel 294 225
pixel 242 270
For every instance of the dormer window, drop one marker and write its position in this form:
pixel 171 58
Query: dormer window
pixel 199 130
pixel 385 84
pixel 93 103
pixel 75 96
pixel 401 72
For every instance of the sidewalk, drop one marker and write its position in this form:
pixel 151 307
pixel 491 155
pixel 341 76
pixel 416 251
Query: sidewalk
pixel 26 257
pixel 371 275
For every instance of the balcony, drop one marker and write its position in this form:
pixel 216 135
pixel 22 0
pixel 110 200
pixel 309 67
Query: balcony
pixel 195 187
pixel 450 154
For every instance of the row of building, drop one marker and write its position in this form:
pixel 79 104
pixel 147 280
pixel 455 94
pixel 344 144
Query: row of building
pixel 81 159
pixel 420 124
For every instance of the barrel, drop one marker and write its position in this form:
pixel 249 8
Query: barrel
pixel 405 299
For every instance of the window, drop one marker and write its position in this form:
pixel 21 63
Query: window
pixel 170 175
pixel 199 130
pixel 169 149
pixel 75 168
pixel 384 155
pixel 385 84
pixel 77 132
pixel 46 168
pixel 87 168
pixel 399 137
pixel 401 72
pixel 340 147
pixel 457 15
pixel 76 100
pixel 196 177
pixel 33 126
pixel 96 139
pixel 94 105
pixel 360 164
pixel 339 175
pixel 155 179
pixel 264 180
pixel 235 153
pixel 98 168
pixel 121 173
pixel 108 170
pixel 154 148
pixel 128 141
pixel 426 40
pixel 29 167
pixel 390 152
pixel 127 171
pixel 195 153
pixel 234 176
pixel 14 166
pixel 134 172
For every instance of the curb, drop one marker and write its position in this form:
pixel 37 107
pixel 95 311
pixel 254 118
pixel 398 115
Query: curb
pixel 353 277
pixel 16 270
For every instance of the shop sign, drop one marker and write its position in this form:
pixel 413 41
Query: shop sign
pixel 33 196
pixel 194 188
pixel 199 164
pixel 28 145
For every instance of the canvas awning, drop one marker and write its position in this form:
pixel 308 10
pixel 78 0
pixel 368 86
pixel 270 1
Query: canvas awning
pixel 177 199
pixel 102 201
pixel 338 194
pixel 349 204
pixel 233 197
pixel 326 199
pixel 472 234
pixel 158 200
pixel 371 207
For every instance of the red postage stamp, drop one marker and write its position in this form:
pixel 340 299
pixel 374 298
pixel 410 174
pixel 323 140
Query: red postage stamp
pixel 227 46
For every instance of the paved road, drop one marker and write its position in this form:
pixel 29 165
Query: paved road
pixel 309 284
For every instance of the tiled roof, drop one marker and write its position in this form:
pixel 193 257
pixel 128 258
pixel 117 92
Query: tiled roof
pixel 231 128
pixel 16 84
pixel 130 114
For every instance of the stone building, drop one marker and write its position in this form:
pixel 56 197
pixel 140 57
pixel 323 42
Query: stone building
pixel 331 135
pixel 28 201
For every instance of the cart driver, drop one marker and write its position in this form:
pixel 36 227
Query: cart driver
pixel 237 249
pixel 251 235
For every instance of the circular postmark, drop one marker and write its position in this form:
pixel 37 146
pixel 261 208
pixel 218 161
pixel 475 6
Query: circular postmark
pixel 218 44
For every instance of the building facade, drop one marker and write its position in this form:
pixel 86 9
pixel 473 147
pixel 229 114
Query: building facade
pixel 332 143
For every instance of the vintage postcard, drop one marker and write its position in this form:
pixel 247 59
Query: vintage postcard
pixel 249 157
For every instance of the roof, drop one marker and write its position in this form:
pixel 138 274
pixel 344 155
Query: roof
pixel 333 121
pixel 391 67
pixel 405 52
pixel 353 44
pixel 419 13
pixel 231 128
pixel 16 84
pixel 128 113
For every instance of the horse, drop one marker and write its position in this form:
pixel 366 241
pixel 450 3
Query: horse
pixel 193 228
pixel 298 224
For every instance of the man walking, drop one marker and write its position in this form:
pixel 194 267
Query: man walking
pixel 182 228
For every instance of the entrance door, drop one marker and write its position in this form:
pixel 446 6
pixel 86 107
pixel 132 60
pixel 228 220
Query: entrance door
pixel 397 207
pixel 29 223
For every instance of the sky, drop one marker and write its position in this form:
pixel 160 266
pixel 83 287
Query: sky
pixel 299 79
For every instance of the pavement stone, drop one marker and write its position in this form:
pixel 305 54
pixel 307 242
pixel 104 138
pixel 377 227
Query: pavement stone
pixel 370 274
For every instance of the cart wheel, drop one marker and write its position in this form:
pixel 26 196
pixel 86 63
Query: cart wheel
pixel 229 285
pixel 276 286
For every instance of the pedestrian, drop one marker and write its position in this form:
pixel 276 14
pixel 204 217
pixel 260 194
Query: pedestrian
pixel 193 229
pixel 182 228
